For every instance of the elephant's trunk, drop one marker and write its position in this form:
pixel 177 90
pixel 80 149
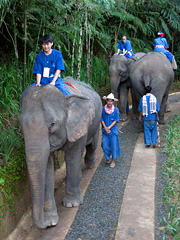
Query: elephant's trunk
pixel 37 153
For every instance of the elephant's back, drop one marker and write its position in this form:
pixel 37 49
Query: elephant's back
pixel 153 64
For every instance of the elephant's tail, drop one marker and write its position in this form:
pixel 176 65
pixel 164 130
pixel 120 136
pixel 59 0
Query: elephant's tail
pixel 147 81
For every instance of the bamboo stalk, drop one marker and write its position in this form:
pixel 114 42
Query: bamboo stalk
pixel 73 51
pixel 89 57
pixel 25 44
pixel 16 47
pixel 79 53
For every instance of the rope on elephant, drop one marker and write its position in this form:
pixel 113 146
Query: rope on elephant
pixel 69 84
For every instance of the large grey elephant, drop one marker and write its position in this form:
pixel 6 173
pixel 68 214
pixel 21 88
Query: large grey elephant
pixel 155 70
pixel 119 72
pixel 52 121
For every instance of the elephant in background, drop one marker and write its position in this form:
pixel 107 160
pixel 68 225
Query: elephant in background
pixel 155 70
pixel 119 72
pixel 52 121
pixel 150 68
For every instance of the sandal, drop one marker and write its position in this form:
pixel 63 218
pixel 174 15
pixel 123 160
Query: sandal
pixel 107 161
pixel 112 165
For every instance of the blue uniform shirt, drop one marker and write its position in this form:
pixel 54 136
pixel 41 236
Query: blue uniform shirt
pixel 109 119
pixel 127 46
pixel 54 61
pixel 160 44
pixel 151 116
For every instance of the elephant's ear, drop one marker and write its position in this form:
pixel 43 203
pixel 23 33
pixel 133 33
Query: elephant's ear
pixel 81 112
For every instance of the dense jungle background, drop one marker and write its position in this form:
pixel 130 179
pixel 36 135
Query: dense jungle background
pixel 86 32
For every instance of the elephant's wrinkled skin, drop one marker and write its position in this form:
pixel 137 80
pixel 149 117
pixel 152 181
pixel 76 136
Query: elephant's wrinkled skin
pixel 119 72
pixel 155 70
pixel 52 121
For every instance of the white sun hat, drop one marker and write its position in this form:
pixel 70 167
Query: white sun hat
pixel 110 96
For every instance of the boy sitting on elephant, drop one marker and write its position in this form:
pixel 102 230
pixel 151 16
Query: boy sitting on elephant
pixel 48 66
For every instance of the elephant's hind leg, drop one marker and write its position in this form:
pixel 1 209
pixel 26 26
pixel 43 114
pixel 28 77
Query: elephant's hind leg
pixel 50 211
pixel 90 157
pixel 73 157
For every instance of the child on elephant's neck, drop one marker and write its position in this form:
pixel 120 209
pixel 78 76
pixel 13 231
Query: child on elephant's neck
pixel 110 140
pixel 49 65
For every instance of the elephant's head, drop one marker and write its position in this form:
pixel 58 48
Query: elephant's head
pixel 62 118
pixel 118 72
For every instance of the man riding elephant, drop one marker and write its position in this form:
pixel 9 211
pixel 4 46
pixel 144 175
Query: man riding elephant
pixel 125 47
pixel 161 45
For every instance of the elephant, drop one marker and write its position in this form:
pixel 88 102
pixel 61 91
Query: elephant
pixel 155 70
pixel 51 121
pixel 148 68
pixel 119 72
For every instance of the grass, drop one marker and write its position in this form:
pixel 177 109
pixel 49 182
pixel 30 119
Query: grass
pixel 175 87
pixel 171 170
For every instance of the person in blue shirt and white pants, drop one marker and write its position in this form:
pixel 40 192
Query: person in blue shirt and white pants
pixel 149 109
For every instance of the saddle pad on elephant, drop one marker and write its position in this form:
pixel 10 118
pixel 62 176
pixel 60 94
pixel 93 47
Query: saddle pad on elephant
pixel 69 84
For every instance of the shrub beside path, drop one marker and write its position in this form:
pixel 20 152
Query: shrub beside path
pixel 118 203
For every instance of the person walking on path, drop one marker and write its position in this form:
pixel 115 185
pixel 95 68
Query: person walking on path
pixel 48 66
pixel 149 109
pixel 125 47
pixel 110 141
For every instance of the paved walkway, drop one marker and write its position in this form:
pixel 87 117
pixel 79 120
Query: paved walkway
pixel 130 200
pixel 136 220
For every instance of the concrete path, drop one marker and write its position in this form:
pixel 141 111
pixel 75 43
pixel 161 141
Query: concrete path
pixel 136 220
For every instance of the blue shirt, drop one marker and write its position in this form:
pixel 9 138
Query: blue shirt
pixel 54 61
pixel 151 116
pixel 159 44
pixel 108 119
pixel 127 45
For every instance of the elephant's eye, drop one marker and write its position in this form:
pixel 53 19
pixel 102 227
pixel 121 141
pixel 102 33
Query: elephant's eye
pixel 52 124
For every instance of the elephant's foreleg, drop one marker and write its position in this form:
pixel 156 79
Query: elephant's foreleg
pixel 90 158
pixel 167 108
pixel 50 211
pixel 123 102
pixel 135 103
pixel 73 157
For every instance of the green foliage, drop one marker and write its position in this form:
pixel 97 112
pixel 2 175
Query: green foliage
pixel 171 169
pixel 12 156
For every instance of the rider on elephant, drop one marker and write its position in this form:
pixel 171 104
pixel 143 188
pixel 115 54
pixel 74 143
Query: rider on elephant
pixel 125 47
pixel 161 45
pixel 48 66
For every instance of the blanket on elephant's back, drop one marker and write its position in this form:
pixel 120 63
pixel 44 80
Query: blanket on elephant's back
pixel 75 86
pixel 69 84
